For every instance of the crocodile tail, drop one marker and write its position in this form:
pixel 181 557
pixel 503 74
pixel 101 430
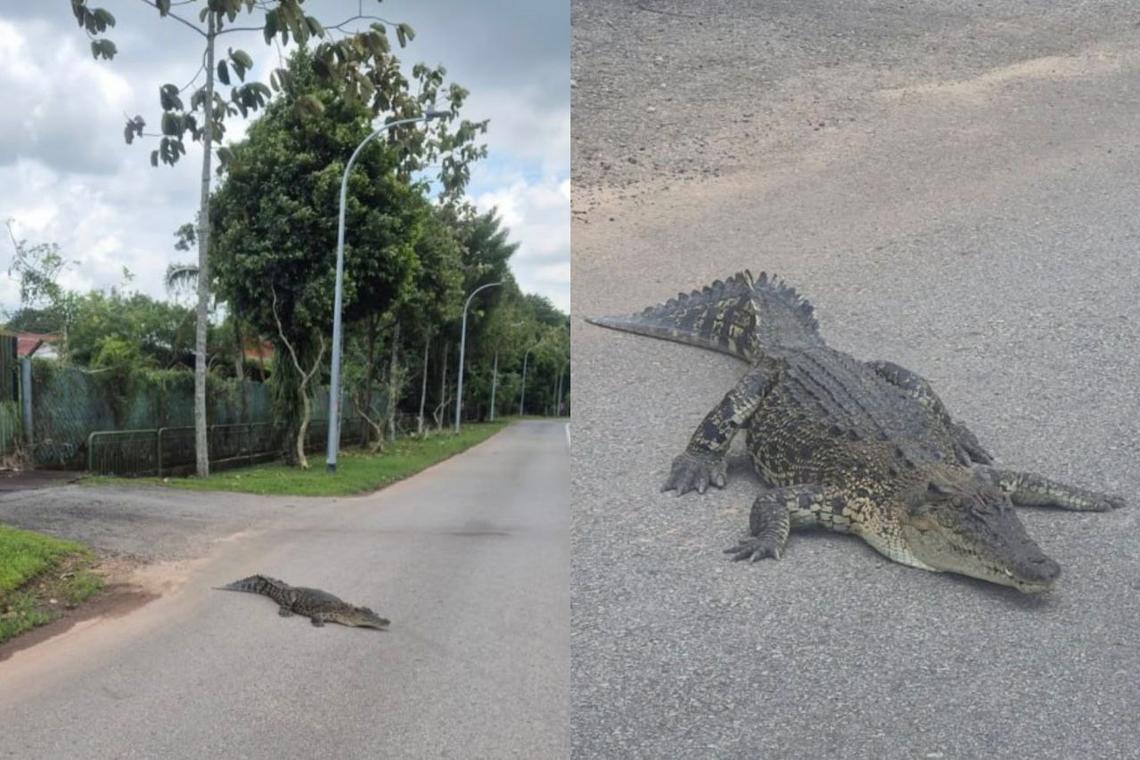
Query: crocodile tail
pixel 256 584
pixel 740 317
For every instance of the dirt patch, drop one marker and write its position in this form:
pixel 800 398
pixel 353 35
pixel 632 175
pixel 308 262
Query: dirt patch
pixel 114 601
pixel 121 594
pixel 26 480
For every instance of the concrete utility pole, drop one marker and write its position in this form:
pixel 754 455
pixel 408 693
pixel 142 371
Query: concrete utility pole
pixel 334 373
pixel 462 345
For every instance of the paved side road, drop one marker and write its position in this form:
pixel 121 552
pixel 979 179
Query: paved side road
pixel 976 222
pixel 469 560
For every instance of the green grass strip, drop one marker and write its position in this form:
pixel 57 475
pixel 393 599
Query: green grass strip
pixel 24 555
pixel 35 570
pixel 357 471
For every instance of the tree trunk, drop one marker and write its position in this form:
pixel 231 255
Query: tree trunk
pixel 423 387
pixel 201 445
pixel 239 345
pixel 369 372
pixel 522 391
pixel 558 396
pixel 442 390
pixel 494 381
pixel 303 428
pixel 393 381
pixel 303 387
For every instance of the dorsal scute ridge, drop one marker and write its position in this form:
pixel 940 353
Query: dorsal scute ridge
pixel 741 315
pixel 774 286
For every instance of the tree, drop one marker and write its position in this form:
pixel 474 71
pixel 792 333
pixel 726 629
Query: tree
pixel 507 332
pixel 276 230
pixel 358 62
pixel 486 253
pixel 436 298
pixel 37 267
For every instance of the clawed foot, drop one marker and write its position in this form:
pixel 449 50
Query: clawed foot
pixel 754 548
pixel 968 443
pixel 695 472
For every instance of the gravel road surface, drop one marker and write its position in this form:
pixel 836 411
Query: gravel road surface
pixel 955 188
pixel 469 560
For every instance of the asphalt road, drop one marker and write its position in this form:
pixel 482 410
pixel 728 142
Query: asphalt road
pixel 469 560
pixel 955 188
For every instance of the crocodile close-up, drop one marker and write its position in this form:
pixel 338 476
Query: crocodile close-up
pixel 319 606
pixel 861 447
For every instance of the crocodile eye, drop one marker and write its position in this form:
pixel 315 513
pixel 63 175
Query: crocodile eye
pixel 922 522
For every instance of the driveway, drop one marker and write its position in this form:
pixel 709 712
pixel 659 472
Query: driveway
pixel 469 560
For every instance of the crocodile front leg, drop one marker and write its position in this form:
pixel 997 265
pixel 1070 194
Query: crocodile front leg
pixel 774 511
pixel 1028 490
pixel 703 461
pixel 918 387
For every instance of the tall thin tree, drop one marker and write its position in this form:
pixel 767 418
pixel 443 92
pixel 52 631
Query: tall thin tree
pixel 358 61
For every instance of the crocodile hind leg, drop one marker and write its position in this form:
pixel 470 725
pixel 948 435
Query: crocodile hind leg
pixel 774 512
pixel 284 611
pixel 918 387
pixel 1029 490
pixel 703 461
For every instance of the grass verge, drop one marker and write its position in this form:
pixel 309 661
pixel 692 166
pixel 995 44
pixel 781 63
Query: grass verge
pixel 40 577
pixel 357 471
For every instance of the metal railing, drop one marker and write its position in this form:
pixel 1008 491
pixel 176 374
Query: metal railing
pixel 159 451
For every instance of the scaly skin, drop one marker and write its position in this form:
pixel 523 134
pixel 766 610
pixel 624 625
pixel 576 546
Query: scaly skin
pixel 319 606
pixel 857 447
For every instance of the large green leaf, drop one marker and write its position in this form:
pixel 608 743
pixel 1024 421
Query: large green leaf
pixel 404 34
pixel 168 97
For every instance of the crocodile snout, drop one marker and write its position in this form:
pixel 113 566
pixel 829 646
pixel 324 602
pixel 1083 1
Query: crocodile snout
pixel 1040 569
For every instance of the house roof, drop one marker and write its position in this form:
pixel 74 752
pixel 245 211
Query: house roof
pixel 27 343
pixel 264 349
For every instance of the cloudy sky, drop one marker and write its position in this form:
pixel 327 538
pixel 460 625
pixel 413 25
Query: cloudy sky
pixel 66 175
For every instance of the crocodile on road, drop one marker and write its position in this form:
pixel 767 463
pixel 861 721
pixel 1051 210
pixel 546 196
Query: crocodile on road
pixel 857 447
pixel 319 606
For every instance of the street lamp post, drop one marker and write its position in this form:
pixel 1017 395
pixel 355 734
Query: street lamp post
pixel 334 372
pixel 462 346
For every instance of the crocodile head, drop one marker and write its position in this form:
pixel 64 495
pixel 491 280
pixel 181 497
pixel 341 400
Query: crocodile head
pixel 961 524
pixel 361 617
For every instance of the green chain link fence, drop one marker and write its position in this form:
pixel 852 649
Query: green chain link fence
pixel 142 423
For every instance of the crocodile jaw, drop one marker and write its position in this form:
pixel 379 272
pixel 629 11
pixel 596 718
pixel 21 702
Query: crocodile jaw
pixel 1017 563
pixel 360 619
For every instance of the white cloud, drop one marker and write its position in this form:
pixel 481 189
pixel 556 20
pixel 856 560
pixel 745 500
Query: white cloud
pixel 520 128
pixel 101 224
pixel 538 215
pixel 68 109
pixel 66 175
